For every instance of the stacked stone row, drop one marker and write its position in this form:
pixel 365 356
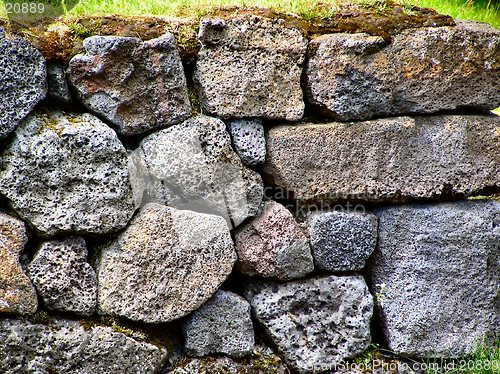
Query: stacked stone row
pixel 178 214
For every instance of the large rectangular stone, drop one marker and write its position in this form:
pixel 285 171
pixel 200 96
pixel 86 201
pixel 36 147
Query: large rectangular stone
pixel 426 70
pixel 393 159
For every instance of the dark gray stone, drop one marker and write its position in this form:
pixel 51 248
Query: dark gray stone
pixel 62 276
pixel 22 81
pixel 342 241
pixel 65 346
pixel 67 173
pixel 222 325
pixel 436 273
pixel 57 83
pixel 314 323
pixel 248 140
pixel 424 70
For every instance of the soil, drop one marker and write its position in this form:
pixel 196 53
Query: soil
pixel 62 39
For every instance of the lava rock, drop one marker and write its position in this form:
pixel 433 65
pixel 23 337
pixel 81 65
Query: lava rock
pixel 23 81
pixel 425 70
pixel 67 173
pixel 65 346
pixel 222 325
pixel 193 166
pixel 436 273
pixel 135 85
pixel 57 83
pixel 273 245
pixel 165 264
pixel 391 159
pixel 17 294
pixel 248 140
pixel 250 66
pixel 62 276
pixel 342 241
pixel 314 323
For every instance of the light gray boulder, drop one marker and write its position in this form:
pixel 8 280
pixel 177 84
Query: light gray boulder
pixel 435 274
pixel 58 88
pixel 17 294
pixel 425 70
pixel 273 245
pixel 64 346
pixel 314 323
pixel 222 325
pixel 135 85
pixel 193 166
pixel 165 264
pixel 391 159
pixel 62 276
pixel 67 173
pixel 250 66
pixel 248 140
pixel 342 241
pixel 22 81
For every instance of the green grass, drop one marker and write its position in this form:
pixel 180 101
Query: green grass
pixel 480 10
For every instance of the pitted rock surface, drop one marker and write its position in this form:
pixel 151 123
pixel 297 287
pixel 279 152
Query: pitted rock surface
pixel 67 173
pixel 248 140
pixel 135 85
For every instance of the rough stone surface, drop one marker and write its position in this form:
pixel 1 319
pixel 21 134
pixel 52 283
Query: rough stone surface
pixel 64 346
pixel 17 294
pixel 133 84
pixel 62 276
pixel 250 66
pixel 67 173
pixel 193 166
pixel 273 245
pixel 221 325
pixel 393 159
pixel 57 83
pixel 262 361
pixel 314 323
pixel 436 273
pixel 342 241
pixel 166 264
pixel 22 81
pixel 422 70
pixel 248 140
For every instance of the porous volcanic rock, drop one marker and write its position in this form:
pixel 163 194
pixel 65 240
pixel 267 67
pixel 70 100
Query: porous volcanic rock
pixel 57 83
pixel 342 241
pixel 17 294
pixel 314 323
pixel 65 346
pixel 67 173
pixel 248 140
pixel 222 325
pixel 273 245
pixel 436 273
pixel 133 84
pixel 22 81
pixel 165 264
pixel 424 70
pixel 250 66
pixel 62 276
pixel 193 166
pixel 391 159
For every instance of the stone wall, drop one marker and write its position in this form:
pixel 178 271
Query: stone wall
pixel 306 197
